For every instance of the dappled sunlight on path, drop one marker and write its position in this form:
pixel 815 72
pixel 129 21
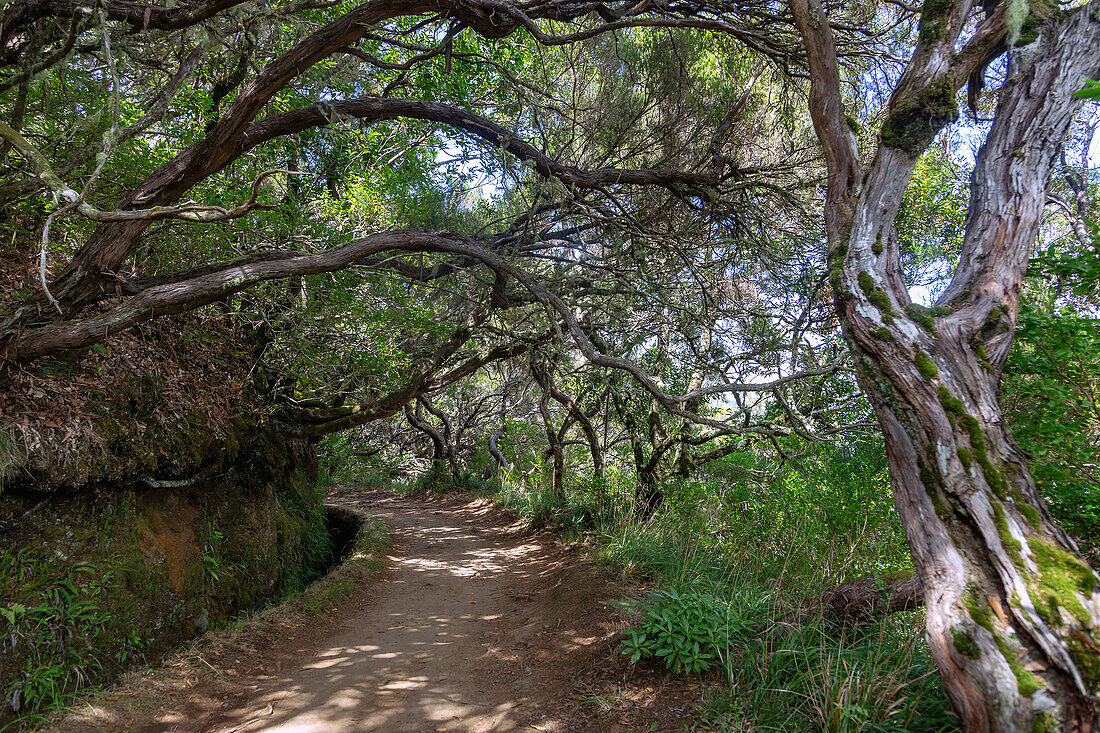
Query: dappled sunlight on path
pixel 472 628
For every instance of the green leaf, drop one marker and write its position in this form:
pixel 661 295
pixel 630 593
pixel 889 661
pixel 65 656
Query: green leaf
pixel 1091 90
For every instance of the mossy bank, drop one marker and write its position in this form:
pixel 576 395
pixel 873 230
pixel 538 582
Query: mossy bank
pixel 141 523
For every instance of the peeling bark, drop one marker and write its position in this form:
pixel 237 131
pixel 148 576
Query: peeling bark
pixel 1013 611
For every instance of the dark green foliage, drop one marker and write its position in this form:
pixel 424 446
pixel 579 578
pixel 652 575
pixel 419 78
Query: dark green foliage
pixel 1029 30
pixel 836 264
pixel 966 457
pixel 1027 683
pixel 1038 12
pixel 306 509
pixel 1031 513
pixel 102 581
pixel 958 415
pixel 866 282
pixel 438 479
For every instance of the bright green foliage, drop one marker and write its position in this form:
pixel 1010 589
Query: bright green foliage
pixel 740 540
pixel 687 631
pixel 1091 90
pixel 1051 388
pixel 930 222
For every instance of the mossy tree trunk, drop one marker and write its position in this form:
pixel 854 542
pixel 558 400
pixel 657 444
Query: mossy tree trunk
pixel 554 436
pixel 1013 612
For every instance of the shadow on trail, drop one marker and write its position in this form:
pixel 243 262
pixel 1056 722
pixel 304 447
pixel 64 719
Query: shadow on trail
pixel 474 627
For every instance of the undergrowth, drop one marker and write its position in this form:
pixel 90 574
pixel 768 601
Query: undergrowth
pixel 734 566
pixel 245 633
pixel 84 602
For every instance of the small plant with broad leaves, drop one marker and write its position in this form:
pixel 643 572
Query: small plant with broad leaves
pixel 687 630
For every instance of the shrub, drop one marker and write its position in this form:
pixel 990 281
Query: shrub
pixel 686 630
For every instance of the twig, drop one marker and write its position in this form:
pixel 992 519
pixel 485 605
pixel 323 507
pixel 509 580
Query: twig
pixel 266 714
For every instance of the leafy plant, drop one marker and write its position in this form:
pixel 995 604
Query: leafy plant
pixel 1091 90
pixel 211 560
pixel 686 630
pixel 56 663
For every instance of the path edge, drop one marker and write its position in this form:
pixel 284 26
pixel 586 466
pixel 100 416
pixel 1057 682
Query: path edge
pixel 112 708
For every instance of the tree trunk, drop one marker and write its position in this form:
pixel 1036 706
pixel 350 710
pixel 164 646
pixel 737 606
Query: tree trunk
pixel 577 414
pixel 1013 613
pixel 648 497
pixel 1011 609
pixel 494 451
pixel 422 425
pixel 553 440
pixel 449 441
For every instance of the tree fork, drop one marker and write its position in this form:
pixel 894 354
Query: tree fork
pixel 1013 611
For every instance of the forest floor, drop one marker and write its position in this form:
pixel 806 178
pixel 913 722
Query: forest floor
pixel 474 624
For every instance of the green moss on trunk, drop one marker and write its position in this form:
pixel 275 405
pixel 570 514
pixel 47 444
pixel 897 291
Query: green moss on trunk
pixel 917 119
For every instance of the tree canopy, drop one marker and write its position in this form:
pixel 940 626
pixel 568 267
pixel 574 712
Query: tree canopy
pixel 659 238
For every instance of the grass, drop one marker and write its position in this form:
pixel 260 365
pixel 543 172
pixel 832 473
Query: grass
pixel 757 555
pixel 362 562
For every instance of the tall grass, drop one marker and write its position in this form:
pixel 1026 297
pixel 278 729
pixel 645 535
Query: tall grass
pixel 765 552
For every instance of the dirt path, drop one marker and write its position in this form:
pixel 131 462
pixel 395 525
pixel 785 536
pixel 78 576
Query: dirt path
pixel 463 634
pixel 474 625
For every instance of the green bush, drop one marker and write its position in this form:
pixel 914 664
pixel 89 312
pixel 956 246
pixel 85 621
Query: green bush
pixel 687 631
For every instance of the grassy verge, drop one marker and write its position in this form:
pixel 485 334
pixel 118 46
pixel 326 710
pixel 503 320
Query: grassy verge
pixel 363 561
pixel 735 567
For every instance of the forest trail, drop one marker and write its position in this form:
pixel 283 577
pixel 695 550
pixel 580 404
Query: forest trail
pixel 472 628
pixel 473 625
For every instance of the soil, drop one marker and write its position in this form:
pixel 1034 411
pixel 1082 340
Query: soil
pixel 473 625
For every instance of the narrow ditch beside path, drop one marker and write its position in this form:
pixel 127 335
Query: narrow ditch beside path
pixel 473 625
